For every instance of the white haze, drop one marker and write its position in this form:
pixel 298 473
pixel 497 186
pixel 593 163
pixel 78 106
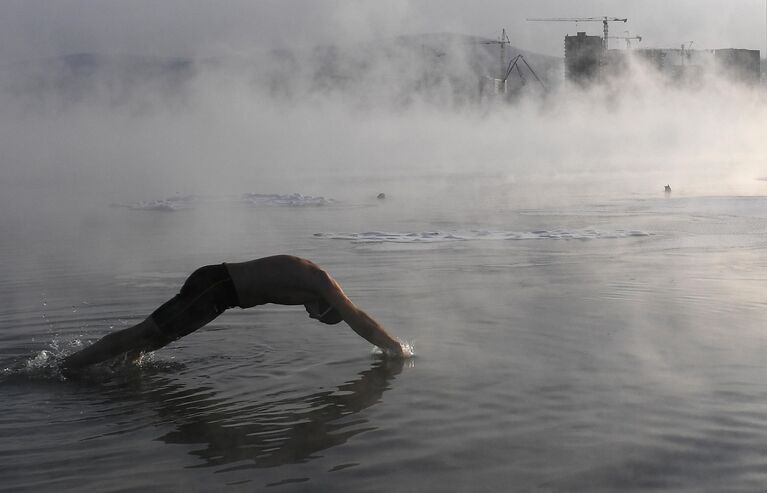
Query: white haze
pixel 227 131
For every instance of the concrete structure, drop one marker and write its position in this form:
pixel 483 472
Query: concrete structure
pixel 587 61
pixel 677 64
pixel 744 65
pixel 584 57
pixel 490 87
pixel 690 65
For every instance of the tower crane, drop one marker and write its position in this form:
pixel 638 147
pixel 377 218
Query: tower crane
pixel 628 39
pixel 686 46
pixel 603 20
pixel 506 70
pixel 502 41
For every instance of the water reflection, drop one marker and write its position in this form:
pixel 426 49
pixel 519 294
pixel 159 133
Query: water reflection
pixel 272 433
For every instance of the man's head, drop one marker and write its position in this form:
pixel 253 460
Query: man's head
pixel 323 311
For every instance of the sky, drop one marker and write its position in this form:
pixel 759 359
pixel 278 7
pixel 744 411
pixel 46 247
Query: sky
pixel 31 29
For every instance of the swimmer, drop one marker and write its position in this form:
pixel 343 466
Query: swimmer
pixel 210 290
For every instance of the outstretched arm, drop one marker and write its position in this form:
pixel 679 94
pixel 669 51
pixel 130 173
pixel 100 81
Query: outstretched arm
pixel 357 319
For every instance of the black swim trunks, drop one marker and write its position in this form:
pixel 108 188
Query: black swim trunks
pixel 205 295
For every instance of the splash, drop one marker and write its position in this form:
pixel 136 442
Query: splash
pixel 45 364
pixel 42 360
pixel 408 350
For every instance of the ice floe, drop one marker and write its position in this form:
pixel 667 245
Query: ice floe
pixel 446 236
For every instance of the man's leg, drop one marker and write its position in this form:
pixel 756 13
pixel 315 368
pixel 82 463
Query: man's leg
pixel 205 295
pixel 144 336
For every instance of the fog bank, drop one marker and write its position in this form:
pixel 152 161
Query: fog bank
pixel 267 125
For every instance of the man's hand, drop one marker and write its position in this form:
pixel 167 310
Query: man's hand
pixel 398 350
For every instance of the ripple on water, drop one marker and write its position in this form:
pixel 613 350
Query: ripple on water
pixel 555 365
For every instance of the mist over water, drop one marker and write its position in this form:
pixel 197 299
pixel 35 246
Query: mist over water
pixel 223 129
pixel 574 329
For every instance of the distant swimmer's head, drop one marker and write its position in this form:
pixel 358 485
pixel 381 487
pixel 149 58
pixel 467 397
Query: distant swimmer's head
pixel 323 311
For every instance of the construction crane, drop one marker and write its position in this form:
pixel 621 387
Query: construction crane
pixel 506 70
pixel 686 46
pixel 603 20
pixel 501 42
pixel 628 39
pixel 514 63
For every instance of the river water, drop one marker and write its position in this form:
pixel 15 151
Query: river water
pixel 600 344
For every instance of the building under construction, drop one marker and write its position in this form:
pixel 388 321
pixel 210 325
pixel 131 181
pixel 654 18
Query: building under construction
pixel 584 58
pixel 587 59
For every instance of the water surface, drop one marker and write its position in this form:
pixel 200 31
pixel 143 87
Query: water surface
pixel 611 343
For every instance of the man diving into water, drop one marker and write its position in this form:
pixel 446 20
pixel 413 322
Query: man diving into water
pixel 210 290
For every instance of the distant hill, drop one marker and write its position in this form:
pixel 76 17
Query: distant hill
pixel 434 67
pixel 428 66
pixel 87 76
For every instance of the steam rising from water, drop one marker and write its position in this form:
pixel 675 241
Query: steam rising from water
pixel 226 129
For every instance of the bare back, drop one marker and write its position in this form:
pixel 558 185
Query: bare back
pixel 280 279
